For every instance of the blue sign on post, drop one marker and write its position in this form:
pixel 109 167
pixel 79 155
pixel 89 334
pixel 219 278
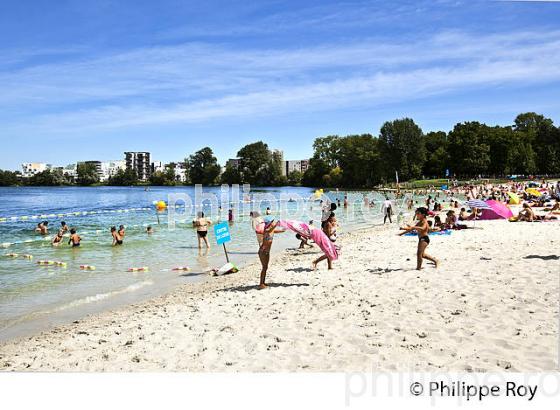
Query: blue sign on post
pixel 222 233
pixel 222 236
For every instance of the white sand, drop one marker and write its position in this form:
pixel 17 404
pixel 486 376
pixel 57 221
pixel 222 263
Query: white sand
pixel 487 308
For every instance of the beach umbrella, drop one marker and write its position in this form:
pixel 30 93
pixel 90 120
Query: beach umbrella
pixel 534 192
pixel 498 210
pixel 477 203
pixel 513 198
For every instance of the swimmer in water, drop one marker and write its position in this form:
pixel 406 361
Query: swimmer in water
pixel 149 230
pixel 57 240
pixel 74 238
pixel 63 227
pixel 122 231
pixel 422 228
pixel 43 227
pixel 117 238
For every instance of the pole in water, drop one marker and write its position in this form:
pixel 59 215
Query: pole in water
pixel 157 215
pixel 225 251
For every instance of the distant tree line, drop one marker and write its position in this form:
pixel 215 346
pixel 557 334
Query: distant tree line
pixel 530 146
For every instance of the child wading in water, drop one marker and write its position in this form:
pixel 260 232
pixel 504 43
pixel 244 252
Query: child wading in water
pixel 264 250
pixel 423 229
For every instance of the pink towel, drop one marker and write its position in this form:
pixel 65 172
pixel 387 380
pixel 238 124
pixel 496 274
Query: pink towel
pixel 317 235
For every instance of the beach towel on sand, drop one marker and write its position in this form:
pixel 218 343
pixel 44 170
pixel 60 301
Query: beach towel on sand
pixel 317 235
pixel 445 232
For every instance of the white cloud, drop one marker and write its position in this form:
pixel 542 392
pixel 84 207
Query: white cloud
pixel 199 82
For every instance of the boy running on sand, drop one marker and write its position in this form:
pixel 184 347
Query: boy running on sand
pixel 423 229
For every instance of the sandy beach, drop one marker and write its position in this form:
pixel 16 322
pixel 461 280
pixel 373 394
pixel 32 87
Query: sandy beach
pixel 491 306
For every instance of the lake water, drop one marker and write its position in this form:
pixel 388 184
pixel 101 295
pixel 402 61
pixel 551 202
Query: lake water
pixel 33 297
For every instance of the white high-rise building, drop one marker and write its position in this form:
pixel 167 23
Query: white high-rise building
pixel 299 165
pixel 110 169
pixel 140 162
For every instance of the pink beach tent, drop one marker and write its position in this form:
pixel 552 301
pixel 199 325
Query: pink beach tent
pixel 497 210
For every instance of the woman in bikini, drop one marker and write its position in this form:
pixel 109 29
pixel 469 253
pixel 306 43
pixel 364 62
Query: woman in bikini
pixel 422 228
pixel 117 238
pixel 201 225
pixel 264 249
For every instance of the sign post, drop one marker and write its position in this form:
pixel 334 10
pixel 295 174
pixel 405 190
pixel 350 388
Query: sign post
pixel 223 236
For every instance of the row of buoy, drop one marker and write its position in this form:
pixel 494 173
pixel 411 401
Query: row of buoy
pixel 16 255
pixel 52 263
pixel 86 267
pixel 70 214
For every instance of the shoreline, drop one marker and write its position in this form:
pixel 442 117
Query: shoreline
pixel 483 310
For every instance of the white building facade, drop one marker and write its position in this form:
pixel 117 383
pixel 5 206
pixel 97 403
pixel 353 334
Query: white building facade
pixel 28 169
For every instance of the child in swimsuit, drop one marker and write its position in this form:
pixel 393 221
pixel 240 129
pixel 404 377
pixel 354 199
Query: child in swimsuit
pixel 74 238
pixel 303 242
pixel 57 240
pixel 117 238
pixel 422 228
pixel 121 231
pixel 264 250
pixel 63 227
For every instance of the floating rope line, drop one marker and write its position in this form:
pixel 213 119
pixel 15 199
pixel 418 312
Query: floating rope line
pixel 70 214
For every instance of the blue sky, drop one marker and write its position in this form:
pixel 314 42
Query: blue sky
pixel 84 80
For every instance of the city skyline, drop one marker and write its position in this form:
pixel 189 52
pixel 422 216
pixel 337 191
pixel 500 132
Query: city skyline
pixel 81 80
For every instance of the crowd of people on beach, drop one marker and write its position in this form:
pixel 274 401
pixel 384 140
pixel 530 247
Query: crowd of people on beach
pixel 440 210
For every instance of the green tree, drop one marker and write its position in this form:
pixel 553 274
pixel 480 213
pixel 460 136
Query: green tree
pixel 295 178
pixel 522 159
pixel 327 149
pixel 87 174
pixel 437 157
pixel 358 157
pixel 203 167
pixel 8 178
pixel 403 148
pixel 126 177
pixel 499 141
pixel 165 177
pixel 257 165
pixel 469 155
pixel 317 170
pixel 48 178
pixel 231 176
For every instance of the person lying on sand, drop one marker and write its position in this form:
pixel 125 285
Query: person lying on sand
pixel 556 207
pixel 422 228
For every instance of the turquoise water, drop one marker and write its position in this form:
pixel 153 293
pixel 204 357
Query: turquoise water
pixel 34 296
